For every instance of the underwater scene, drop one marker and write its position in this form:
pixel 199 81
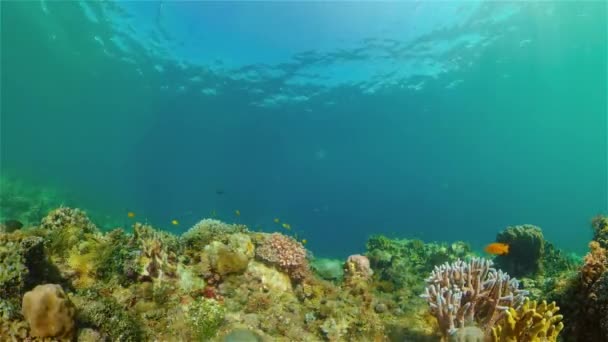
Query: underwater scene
pixel 242 171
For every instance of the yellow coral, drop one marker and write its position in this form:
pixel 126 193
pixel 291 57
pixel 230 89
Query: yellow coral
pixel 532 322
pixel 84 267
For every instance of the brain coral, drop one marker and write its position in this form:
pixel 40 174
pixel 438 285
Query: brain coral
pixel 49 312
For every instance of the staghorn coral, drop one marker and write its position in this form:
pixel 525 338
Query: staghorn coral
pixel 285 253
pixel 526 250
pixel 531 322
pixel 466 293
pixel 49 312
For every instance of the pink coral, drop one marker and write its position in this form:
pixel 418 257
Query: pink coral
pixel 286 254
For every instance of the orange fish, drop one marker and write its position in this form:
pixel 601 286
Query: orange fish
pixel 497 248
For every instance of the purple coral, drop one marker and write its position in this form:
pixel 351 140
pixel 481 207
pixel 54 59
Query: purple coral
pixel 285 253
pixel 464 293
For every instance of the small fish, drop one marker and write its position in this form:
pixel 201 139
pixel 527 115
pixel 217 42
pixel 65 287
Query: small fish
pixel 213 213
pixel 497 248
pixel 219 192
pixel 131 214
pixel 304 241
pixel 237 212
pixel 10 226
pixel 175 222
pixel 286 226
pixel 276 220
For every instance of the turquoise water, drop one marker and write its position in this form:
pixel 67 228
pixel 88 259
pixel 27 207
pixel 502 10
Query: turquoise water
pixel 430 120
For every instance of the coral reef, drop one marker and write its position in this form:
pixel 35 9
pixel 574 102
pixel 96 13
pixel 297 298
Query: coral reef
pixel 470 293
pixel 49 312
pixel 222 282
pixel 526 250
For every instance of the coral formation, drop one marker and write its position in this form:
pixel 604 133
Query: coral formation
pixel 584 298
pixel 526 250
pixel 285 253
pixel 470 293
pixel 49 312
pixel 531 322
pixel 206 316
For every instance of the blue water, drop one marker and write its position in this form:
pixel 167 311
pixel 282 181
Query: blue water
pixel 440 121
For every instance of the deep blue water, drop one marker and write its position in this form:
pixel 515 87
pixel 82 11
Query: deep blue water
pixel 430 120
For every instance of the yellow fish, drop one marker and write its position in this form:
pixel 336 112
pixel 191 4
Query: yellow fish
pixel 131 214
pixel 237 212
pixel 175 222
pixel 276 220
pixel 304 241
pixel 287 226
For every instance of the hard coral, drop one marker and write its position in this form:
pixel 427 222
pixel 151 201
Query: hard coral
pixel 206 316
pixel 595 264
pixel 526 250
pixel 49 312
pixel 470 293
pixel 285 253
pixel 207 230
pixel 358 266
pixel 531 322
pixel 67 217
